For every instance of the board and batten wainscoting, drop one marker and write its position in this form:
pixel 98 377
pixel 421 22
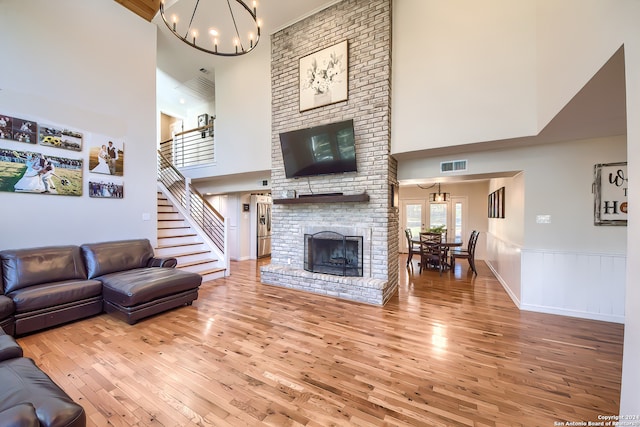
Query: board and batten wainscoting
pixel 503 258
pixel 586 285
pixel 579 284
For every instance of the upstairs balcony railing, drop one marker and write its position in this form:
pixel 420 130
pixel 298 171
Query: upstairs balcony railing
pixel 191 147
pixel 200 211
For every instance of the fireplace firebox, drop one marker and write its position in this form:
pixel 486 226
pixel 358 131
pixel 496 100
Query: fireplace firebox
pixel 333 253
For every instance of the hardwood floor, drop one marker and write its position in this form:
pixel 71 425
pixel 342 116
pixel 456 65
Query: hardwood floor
pixel 448 350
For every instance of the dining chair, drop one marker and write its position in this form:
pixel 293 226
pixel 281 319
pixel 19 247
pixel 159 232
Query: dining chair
pixel 432 253
pixel 429 237
pixel 414 245
pixel 467 253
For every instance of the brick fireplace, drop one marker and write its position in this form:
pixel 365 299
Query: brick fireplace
pixel 366 25
pixel 330 252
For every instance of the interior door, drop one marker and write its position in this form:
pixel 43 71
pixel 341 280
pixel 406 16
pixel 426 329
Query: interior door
pixel 414 216
pixel 458 217
pixel 438 214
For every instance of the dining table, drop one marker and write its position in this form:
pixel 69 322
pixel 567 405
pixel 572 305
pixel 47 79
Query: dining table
pixel 446 245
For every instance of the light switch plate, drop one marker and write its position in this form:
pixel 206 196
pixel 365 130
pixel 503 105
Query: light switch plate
pixel 543 219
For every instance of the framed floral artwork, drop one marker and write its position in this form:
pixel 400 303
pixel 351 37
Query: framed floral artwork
pixel 324 77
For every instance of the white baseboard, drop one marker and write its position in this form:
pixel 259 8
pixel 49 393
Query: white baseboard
pixel 573 313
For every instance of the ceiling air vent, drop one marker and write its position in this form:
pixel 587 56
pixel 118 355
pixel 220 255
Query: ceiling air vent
pixel 199 87
pixel 453 166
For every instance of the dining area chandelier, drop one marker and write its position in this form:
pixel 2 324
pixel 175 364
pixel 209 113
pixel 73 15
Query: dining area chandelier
pixel 217 27
pixel 438 197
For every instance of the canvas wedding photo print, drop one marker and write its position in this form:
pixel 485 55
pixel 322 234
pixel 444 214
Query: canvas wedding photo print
pixel 106 156
pixel 58 137
pixel 34 172
pixel 110 188
pixel 16 129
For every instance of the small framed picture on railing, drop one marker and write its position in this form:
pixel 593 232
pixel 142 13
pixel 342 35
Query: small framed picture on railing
pixel 203 120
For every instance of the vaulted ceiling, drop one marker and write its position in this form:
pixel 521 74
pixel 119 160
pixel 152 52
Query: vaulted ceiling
pixel 599 109
pixel 180 66
pixel 147 9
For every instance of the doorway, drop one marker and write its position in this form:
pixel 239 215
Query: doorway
pixel 420 214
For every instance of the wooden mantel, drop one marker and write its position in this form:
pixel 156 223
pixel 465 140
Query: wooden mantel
pixel 321 198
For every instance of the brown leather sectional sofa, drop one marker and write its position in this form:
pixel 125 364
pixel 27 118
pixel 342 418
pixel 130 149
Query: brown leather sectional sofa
pixel 28 397
pixel 48 286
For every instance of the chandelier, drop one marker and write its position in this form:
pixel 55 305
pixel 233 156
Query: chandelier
pixel 436 197
pixel 439 196
pixel 218 27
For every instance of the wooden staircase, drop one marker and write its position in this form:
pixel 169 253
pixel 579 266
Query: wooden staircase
pixel 176 238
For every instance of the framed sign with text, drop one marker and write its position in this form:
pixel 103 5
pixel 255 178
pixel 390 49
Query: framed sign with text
pixel 610 189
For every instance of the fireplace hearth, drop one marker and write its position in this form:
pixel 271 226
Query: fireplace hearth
pixel 333 253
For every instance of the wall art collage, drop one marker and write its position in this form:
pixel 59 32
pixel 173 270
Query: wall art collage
pixel 33 160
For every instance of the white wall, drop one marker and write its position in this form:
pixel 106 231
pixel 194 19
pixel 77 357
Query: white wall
pixel 250 181
pixel 88 66
pixel 169 103
pixel 597 29
pixel 505 236
pixel 511 228
pixel 243 117
pixel 557 182
pixel 567 59
pixel 245 250
pixel 463 72
pixel 239 222
pixel 630 394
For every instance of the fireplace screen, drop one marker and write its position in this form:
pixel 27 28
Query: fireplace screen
pixel 333 253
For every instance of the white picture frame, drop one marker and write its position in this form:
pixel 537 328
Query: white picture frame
pixel 324 77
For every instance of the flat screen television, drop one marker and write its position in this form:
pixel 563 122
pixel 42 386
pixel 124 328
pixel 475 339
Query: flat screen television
pixel 319 150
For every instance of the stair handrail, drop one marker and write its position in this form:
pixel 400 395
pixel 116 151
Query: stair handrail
pixel 190 147
pixel 200 210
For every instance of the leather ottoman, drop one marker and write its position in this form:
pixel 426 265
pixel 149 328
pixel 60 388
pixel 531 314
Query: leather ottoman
pixel 135 294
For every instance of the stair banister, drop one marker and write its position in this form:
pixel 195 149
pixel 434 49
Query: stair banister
pixel 198 210
pixel 187 187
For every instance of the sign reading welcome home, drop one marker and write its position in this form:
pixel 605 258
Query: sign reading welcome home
pixel 611 184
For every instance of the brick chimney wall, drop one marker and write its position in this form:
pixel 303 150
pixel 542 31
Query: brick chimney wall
pixel 366 25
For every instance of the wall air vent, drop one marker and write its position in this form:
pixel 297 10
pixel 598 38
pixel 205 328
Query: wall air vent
pixel 453 166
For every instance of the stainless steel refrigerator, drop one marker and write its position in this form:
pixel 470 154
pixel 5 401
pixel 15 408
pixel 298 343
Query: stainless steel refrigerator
pixel 263 211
